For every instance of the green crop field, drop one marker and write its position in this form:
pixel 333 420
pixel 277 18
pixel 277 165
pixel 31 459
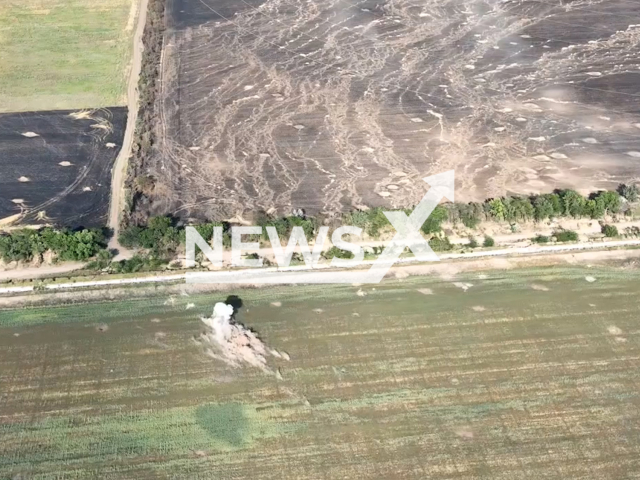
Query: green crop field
pixel 526 374
pixel 64 54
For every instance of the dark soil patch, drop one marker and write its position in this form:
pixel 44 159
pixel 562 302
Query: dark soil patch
pixel 67 165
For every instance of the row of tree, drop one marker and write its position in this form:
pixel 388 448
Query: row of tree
pixel 27 244
pixel 561 203
pixel 162 237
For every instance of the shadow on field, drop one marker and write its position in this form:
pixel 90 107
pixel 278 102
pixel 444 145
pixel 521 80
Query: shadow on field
pixel 224 422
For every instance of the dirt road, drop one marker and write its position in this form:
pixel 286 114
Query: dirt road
pixel 42 271
pixel 120 168
pixel 296 274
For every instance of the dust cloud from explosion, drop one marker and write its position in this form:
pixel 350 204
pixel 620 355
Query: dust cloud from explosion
pixel 233 343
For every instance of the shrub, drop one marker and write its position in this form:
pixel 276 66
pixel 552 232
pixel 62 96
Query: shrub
pixel 438 244
pixel 488 242
pixel 610 230
pixel 337 252
pixel 566 236
pixel 541 239
pixel 473 243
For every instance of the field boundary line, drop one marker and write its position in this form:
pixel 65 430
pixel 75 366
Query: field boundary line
pixel 119 171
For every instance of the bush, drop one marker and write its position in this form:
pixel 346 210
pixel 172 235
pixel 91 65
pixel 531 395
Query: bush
pixel 473 243
pixel 541 239
pixel 566 236
pixel 438 244
pixel 610 230
pixel 488 242
pixel 337 252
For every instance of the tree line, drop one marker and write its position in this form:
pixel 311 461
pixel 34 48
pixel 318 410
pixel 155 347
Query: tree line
pixel 27 244
pixel 162 236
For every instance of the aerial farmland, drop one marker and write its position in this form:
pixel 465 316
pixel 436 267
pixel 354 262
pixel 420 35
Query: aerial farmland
pixel 328 106
pixel 63 71
pixel 496 375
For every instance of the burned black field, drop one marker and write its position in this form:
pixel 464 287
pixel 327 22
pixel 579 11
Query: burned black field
pixel 55 166
pixel 329 105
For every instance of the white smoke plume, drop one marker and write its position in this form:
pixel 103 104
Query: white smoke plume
pixel 233 343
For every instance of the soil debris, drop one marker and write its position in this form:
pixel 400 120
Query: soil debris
pixel 233 343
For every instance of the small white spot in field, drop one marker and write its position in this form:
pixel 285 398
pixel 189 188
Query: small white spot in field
pixel 455 381
pixel 30 134
pixel 276 304
pixel 355 314
pixel 317 310
pixel 590 140
pixel 417 120
pixel 537 139
pixel 360 293
pixel 590 279
pixel 463 286
pixel 19 201
pixel 500 129
pixel 620 339
pixel 190 306
pixel 613 330
pixel 482 276
pixel 65 164
pixel 525 36
pixel 392 187
pixel 16 334
pixel 541 288
pixel 155 320
pixel 425 291
pixel 469 67
pixel 594 74
pixel 194 149
pixel 86 189
pixel 558 156
pixel 384 194
pixel 248 87
pixel 24 179
pixel 478 308
pixel 634 154
pixel 521 119
pixel 299 127
pixel 110 145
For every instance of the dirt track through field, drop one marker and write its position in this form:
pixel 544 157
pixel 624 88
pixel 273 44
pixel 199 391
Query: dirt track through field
pixel 120 168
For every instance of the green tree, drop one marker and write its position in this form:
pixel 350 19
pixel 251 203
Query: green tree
pixel 497 209
pixel 546 206
pixel 573 203
pixel 488 241
pixel 630 192
pixel 433 224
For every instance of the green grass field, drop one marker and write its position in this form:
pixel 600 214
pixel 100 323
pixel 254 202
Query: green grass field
pixel 527 374
pixel 64 54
